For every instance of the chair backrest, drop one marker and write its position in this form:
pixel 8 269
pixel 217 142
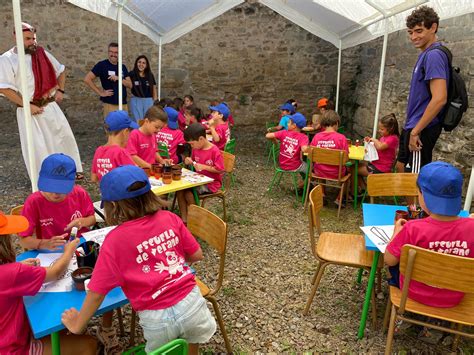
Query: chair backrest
pixel 326 156
pixel 315 205
pixel 435 269
pixel 230 146
pixel 392 184
pixel 206 226
pixel 275 151
pixel 163 150
pixel 16 211
pixel 229 163
pixel 174 347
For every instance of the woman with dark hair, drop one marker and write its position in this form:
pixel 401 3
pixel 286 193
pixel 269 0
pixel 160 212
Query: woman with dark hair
pixel 143 87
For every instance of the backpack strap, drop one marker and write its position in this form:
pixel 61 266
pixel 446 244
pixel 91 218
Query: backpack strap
pixel 445 50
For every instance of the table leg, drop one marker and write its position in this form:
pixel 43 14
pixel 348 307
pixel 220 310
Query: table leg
pixel 196 197
pixel 368 293
pixel 356 188
pixel 55 343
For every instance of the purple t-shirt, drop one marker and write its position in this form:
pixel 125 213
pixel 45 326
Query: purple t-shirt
pixel 436 67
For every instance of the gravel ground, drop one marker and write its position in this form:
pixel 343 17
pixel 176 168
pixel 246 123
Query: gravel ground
pixel 269 265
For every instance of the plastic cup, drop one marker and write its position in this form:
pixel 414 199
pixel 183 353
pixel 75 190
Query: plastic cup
pixel 147 171
pixel 399 214
pixel 157 170
pixel 80 275
pixel 167 177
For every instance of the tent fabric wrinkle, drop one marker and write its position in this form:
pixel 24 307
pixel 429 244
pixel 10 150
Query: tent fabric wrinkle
pixel 345 23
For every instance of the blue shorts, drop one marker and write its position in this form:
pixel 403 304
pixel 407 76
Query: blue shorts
pixel 139 106
pixel 189 319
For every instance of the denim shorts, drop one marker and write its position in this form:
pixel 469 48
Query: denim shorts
pixel 139 106
pixel 189 319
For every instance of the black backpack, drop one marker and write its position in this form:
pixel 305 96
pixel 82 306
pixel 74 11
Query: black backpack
pixel 457 102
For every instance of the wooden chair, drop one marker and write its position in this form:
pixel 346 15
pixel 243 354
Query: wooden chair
pixel 332 157
pixel 16 211
pixel 279 172
pixel 438 270
pixel 174 347
pixel 229 162
pixel 268 144
pixel 392 184
pixel 208 227
pixel 230 148
pixel 334 248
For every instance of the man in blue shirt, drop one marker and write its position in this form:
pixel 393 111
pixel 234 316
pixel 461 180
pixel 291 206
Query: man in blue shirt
pixel 107 72
pixel 428 91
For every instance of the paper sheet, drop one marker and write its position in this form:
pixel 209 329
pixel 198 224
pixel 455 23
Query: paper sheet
pixel 155 182
pixel 64 282
pixel 97 235
pixel 193 177
pixel 379 235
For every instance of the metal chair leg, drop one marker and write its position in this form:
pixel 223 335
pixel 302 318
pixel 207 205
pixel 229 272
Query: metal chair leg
pixel 220 320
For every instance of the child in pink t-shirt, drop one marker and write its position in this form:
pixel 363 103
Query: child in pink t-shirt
pixel 386 147
pixel 218 125
pixel 292 144
pixel 206 159
pixel 141 144
pixel 107 157
pixel 152 267
pixel 329 139
pixel 25 278
pixel 440 195
pixel 57 207
pixel 170 134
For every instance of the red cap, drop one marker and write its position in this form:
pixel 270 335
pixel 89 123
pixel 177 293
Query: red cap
pixel 322 102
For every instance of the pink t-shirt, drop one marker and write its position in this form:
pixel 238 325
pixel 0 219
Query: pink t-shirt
pixel 210 157
pixel 108 157
pixel 223 132
pixel 329 140
pixel 290 148
pixel 146 258
pixel 48 219
pixel 230 119
pixel 455 237
pixel 17 280
pixel 387 156
pixel 172 138
pixel 181 121
pixel 143 145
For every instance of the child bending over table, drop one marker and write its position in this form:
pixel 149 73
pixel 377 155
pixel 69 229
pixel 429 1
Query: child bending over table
pixel 25 278
pixel 207 160
pixel 141 144
pixel 170 135
pixel 117 125
pixel 154 247
pixel 440 195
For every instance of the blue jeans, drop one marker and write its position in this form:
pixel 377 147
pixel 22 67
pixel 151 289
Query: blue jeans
pixel 139 106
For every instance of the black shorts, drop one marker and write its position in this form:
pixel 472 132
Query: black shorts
pixel 428 138
pixel 372 169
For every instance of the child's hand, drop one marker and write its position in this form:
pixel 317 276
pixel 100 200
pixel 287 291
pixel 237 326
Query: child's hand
pixel 399 226
pixel 71 247
pixel 31 262
pixel 367 139
pixel 188 161
pixel 70 319
pixel 74 223
pixel 212 123
pixel 54 243
pixel 168 161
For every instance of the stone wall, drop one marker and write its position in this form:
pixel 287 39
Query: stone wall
pixel 456 146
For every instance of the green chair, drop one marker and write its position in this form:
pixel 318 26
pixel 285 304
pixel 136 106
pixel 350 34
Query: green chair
pixel 174 347
pixel 275 151
pixel 163 150
pixel 230 148
pixel 268 146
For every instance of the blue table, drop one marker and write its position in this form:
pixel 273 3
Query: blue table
pixel 378 215
pixel 44 309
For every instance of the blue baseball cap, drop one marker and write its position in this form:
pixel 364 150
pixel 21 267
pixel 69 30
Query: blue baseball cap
pixel 298 119
pixel 118 120
pixel 114 186
pixel 57 174
pixel 287 107
pixel 441 186
pixel 222 108
pixel 172 117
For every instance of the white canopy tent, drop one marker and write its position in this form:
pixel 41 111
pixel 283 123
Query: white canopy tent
pixel 344 23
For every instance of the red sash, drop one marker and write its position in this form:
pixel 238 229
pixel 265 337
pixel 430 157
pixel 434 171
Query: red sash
pixel 43 71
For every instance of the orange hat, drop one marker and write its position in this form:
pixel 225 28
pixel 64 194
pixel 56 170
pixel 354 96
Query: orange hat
pixel 322 102
pixel 12 224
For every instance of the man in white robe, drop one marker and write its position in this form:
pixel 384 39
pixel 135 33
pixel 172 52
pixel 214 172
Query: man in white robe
pixel 51 132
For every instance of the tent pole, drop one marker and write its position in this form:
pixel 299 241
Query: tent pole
pixel 338 75
pixel 159 70
pixel 119 31
pixel 24 89
pixel 470 191
pixel 379 90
